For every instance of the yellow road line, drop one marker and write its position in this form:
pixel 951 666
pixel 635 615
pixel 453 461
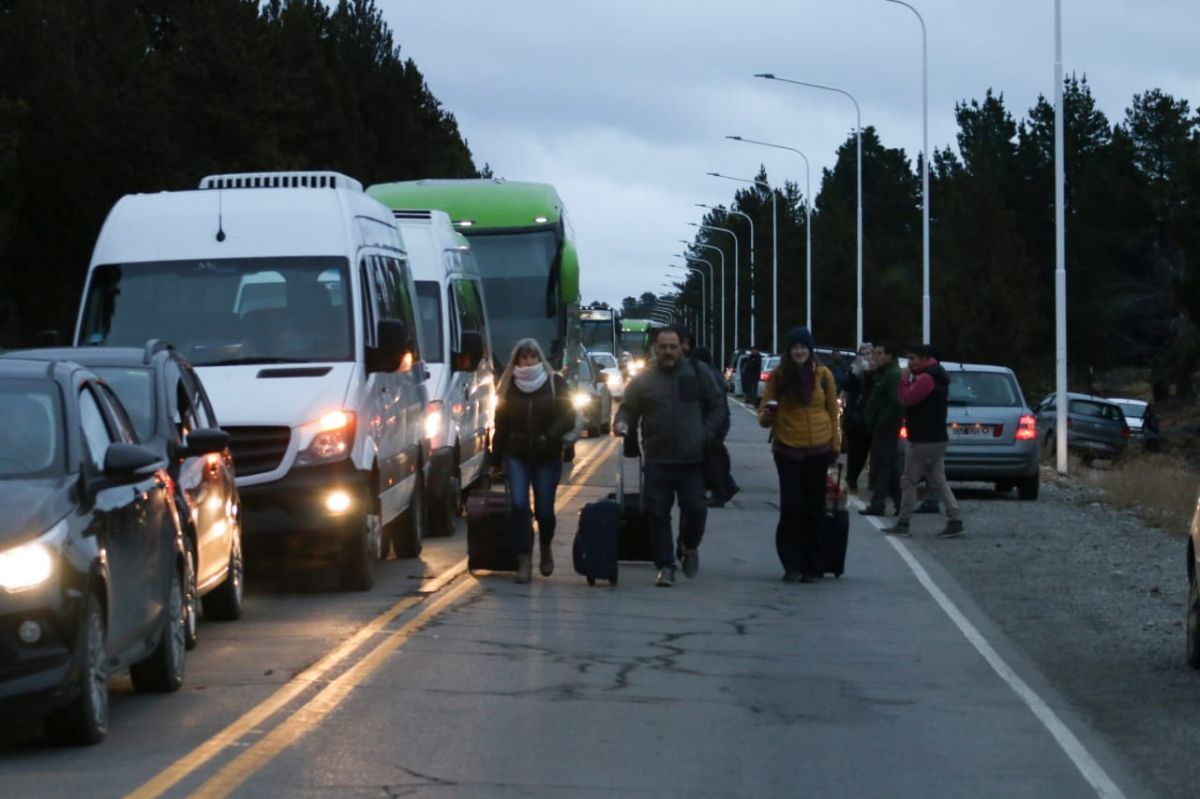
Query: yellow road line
pixel 306 719
pixel 234 732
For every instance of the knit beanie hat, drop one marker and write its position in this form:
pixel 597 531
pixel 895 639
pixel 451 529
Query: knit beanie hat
pixel 798 335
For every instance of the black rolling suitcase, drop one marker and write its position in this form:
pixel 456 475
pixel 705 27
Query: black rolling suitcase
pixel 598 537
pixel 634 544
pixel 490 545
pixel 835 527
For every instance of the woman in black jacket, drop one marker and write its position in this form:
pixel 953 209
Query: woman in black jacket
pixel 533 415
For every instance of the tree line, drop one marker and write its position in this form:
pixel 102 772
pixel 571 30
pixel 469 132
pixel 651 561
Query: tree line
pixel 100 98
pixel 1132 242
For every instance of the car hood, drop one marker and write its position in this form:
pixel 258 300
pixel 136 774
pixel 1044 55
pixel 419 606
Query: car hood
pixel 29 508
pixel 257 394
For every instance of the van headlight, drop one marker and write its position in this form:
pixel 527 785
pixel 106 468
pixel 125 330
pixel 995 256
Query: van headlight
pixel 332 441
pixel 581 399
pixel 433 419
pixel 32 564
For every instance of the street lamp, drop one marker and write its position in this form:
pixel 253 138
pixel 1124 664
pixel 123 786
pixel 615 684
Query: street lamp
pixel 774 255
pixel 703 313
pixel 736 269
pixel 737 303
pixel 858 142
pixel 721 253
pixel 925 335
pixel 1060 254
pixel 807 223
pixel 712 288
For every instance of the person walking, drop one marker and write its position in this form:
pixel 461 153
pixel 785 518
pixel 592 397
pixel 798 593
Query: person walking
pixel 533 415
pixel 751 369
pixel 923 391
pixel 800 407
pixel 718 468
pixel 856 438
pixel 681 411
pixel 884 414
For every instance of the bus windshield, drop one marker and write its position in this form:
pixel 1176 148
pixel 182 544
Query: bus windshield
pixel 598 335
pixel 515 268
pixel 225 311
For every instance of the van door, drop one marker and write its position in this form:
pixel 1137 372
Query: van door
pixel 477 385
pixel 379 407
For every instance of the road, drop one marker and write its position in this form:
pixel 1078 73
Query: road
pixel 888 682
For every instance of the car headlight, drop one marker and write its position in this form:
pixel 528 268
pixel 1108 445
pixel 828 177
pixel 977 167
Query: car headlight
pixel 433 419
pixel 581 399
pixel 613 381
pixel 31 565
pixel 333 440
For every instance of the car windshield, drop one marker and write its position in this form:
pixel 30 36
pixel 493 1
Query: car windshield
pixel 225 311
pixel 1097 410
pixel 604 360
pixel 515 268
pixel 1133 410
pixel 135 389
pixel 31 441
pixel 992 389
pixel 429 309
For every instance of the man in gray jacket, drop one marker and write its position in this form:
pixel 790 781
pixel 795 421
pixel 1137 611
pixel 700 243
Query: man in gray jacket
pixel 681 411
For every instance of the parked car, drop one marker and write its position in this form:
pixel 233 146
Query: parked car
pixel 610 370
pixel 993 434
pixel 91 551
pixel 733 372
pixel 1142 419
pixel 172 415
pixel 1096 427
pixel 769 362
pixel 457 351
pixel 291 294
pixel 592 399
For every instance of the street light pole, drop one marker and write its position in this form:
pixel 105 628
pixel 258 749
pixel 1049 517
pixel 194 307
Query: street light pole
pixel 858 144
pixel 712 287
pixel 774 253
pixel 925 324
pixel 699 271
pixel 721 253
pixel 736 270
pixel 807 223
pixel 737 303
pixel 1060 258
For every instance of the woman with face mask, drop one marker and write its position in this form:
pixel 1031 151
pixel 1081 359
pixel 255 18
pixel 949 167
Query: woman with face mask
pixel 533 415
pixel 800 407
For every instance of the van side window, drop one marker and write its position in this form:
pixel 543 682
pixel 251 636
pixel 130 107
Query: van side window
pixel 368 302
pixel 470 310
pixel 400 300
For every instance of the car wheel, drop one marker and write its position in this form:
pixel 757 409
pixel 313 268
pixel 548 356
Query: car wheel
pixel 85 720
pixel 1193 621
pixel 162 672
pixel 360 552
pixel 191 598
pixel 444 512
pixel 606 428
pixel 408 534
pixel 224 603
pixel 593 430
pixel 1027 488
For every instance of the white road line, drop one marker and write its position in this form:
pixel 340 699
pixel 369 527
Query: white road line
pixel 1092 771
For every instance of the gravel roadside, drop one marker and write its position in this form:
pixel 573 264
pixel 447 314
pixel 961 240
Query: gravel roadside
pixel 1095 597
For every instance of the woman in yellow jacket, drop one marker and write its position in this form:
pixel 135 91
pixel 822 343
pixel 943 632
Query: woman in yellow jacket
pixel 800 407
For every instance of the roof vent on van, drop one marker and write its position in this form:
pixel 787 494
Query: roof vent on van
pixel 412 214
pixel 282 180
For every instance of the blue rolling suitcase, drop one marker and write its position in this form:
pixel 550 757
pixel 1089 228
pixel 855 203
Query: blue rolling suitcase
pixel 598 537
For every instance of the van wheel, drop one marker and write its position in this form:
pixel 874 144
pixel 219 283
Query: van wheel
pixel 224 603
pixel 162 672
pixel 1193 620
pixel 408 532
pixel 191 599
pixel 360 553
pixel 1027 488
pixel 444 512
pixel 85 720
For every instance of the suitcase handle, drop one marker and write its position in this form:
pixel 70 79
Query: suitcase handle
pixel 621 479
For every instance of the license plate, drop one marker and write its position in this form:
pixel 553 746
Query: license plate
pixel 969 430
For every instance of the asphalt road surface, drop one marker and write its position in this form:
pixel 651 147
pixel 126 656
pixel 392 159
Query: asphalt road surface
pixel 887 682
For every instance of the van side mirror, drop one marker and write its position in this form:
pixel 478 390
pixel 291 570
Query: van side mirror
pixel 204 441
pixel 471 353
pixel 393 344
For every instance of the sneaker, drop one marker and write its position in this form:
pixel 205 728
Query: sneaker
pixel 691 563
pixel 713 502
pixel 900 528
pixel 546 561
pixel 666 577
pixel 953 529
pixel 872 510
pixel 524 568
pixel 813 577
pixel 791 577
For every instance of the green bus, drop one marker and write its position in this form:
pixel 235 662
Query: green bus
pixel 525 249
pixel 598 327
pixel 635 337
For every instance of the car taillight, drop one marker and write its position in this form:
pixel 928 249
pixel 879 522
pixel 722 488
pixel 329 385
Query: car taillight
pixel 1125 432
pixel 764 377
pixel 904 431
pixel 1027 428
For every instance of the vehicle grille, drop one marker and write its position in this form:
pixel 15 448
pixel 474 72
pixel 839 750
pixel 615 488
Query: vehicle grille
pixel 257 449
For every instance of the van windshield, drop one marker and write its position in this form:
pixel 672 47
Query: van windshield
pixel 226 311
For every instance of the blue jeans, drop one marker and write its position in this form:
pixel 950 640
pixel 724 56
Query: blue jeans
pixel 543 477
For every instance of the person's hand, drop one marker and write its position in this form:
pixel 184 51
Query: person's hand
pixel 620 429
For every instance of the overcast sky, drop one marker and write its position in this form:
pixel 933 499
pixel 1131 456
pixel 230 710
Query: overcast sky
pixel 624 105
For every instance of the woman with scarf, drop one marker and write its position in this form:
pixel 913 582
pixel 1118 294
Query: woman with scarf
pixel 533 415
pixel 800 407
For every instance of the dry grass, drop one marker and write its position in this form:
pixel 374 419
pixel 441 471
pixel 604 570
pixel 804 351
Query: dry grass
pixel 1161 488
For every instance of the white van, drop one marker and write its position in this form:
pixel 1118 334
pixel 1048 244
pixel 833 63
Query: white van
pixel 291 295
pixel 458 358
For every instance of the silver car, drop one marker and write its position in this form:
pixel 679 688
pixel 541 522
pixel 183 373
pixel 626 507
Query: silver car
pixel 1096 427
pixel 769 362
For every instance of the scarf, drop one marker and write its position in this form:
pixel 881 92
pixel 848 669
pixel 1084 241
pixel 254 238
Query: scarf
pixel 530 378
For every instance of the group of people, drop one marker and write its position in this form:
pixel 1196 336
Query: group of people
pixel 678 405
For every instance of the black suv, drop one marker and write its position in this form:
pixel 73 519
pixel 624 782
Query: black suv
pixel 91 551
pixel 172 415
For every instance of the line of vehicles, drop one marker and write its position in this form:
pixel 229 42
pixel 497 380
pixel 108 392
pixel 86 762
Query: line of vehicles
pixel 268 362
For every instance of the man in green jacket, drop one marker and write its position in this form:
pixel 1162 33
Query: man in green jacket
pixel 884 417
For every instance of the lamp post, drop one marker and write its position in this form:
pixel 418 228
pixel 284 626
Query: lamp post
pixel 712 291
pixel 925 332
pixel 721 253
pixel 736 269
pixel 705 313
pixel 858 143
pixel 736 303
pixel 807 223
pixel 774 255
pixel 1060 264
